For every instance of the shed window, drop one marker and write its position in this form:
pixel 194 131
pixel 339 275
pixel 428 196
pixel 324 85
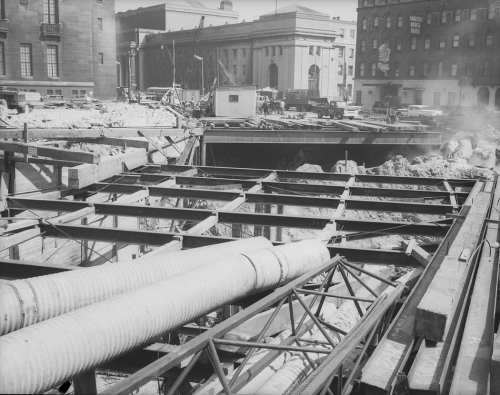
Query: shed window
pixel 234 98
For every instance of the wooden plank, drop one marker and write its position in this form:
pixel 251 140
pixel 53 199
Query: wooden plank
pixel 417 252
pixel 364 126
pixel 453 199
pixel 18 238
pixel 119 142
pixel 107 162
pixel 436 309
pixel 381 370
pixel 187 150
pixel 55 153
pixel 472 368
pixel 343 126
pixel 151 142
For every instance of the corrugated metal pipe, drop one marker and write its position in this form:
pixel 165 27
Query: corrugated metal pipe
pixel 26 302
pixel 39 357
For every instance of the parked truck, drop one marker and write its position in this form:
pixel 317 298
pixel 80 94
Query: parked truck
pixel 15 100
pixel 388 102
pixel 301 99
pixel 337 110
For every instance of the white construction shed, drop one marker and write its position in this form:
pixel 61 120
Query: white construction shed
pixel 235 101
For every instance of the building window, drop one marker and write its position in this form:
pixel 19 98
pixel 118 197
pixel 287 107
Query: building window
pixel 442 41
pixel 50 11
pixel 374 44
pixel 2 59
pixel 26 68
pixel 318 50
pixel 427 42
pixel 411 70
pixel 281 49
pixel 361 69
pixel 428 18
pixel 340 69
pixel 400 20
pixel 440 68
pixel 267 50
pixel 456 41
pixel 235 53
pixel 341 53
pixel 473 14
pixel 374 69
pixel 349 90
pixel 342 32
pixel 353 33
pixel 487 68
pixel 273 50
pixel 396 69
pixel 311 50
pixel 210 54
pixel 472 40
pixel 339 89
pixel 350 69
pixel 243 69
pixel 363 24
pixel 52 61
pixel 74 92
pixel 351 53
pixel 454 69
pixel 234 69
pixel 58 91
pixel 388 22
pixel 51 92
pixel 99 24
pixel 443 16
pixel 243 53
pixel 100 56
pixel 470 68
pixel 375 22
pixel 2 10
pixel 488 39
pixel 425 69
pixel 458 15
pixel 413 44
pixel 398 43
pixel 491 12
pixel 362 45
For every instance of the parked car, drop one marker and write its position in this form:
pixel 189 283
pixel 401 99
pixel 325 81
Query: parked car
pixel 55 100
pixel 418 111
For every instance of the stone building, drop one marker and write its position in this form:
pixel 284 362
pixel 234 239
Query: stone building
pixel 58 47
pixel 429 52
pixel 292 48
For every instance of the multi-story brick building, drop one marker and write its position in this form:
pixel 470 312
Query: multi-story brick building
pixel 437 53
pixel 58 47
pixel 292 48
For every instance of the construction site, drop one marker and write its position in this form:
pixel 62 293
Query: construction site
pixel 205 236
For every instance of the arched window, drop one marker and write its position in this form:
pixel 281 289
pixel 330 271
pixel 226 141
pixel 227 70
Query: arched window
pixel 273 76
pixel 400 20
pixel 398 43
pixel 497 99
pixel 388 22
pixel 428 18
pixel 443 16
pixel 361 69
pixel 363 24
pixel 362 45
pixel 458 15
pixel 473 13
pixel 375 22
pixel 374 44
pixel 313 77
pixel 483 97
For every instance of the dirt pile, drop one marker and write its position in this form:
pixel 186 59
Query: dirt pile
pixel 423 166
pixel 109 115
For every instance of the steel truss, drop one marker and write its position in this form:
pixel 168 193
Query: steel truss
pixel 374 321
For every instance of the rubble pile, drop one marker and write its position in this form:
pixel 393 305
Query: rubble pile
pixel 107 115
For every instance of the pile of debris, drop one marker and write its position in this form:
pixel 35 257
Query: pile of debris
pixel 110 115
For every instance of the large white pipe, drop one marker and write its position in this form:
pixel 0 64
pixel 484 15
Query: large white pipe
pixel 39 357
pixel 26 302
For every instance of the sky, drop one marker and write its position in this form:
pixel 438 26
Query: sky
pixel 250 10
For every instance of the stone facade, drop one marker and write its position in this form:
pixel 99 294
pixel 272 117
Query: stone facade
pixel 277 50
pixel 77 35
pixel 450 58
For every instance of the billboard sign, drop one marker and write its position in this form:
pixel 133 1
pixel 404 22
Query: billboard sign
pixel 416 22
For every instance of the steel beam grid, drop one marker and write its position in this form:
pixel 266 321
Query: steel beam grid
pixel 374 320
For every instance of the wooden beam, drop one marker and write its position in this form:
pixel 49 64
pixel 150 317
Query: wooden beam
pixel 187 150
pixel 55 153
pixel 96 133
pixel 437 308
pixel 453 199
pixel 119 142
pixel 417 252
